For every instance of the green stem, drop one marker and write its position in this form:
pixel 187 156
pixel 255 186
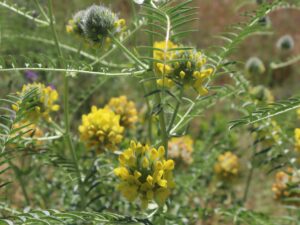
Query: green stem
pixel 129 53
pixel 67 135
pixel 249 179
pixel 41 9
pixel 21 181
pixel 176 110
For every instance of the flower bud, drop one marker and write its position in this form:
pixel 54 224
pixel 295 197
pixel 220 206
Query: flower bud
pixel 255 66
pixel 286 42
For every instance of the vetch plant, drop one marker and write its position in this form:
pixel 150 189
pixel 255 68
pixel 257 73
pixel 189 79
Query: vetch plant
pixel 136 130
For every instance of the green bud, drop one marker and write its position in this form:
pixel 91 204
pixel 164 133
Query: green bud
pixel 255 66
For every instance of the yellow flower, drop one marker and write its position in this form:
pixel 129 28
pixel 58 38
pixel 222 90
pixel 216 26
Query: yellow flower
pixel 28 130
pixel 126 109
pixel 145 174
pixel 101 129
pixel 184 67
pixel 181 149
pixel 227 165
pixel 284 183
pixel 43 102
pixel 297 139
pixel 161 50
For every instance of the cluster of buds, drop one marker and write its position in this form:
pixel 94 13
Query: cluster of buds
pixel 185 68
pixel 286 185
pixel 227 165
pixel 181 149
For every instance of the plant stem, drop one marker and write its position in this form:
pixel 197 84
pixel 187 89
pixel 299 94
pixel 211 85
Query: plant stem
pixel 129 53
pixel 21 181
pixel 175 111
pixel 248 183
pixel 67 135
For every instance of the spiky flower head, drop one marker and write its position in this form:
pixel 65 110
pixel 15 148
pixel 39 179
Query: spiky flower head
pixel 285 183
pixel 101 129
pixel 126 109
pixel 76 24
pixel 261 94
pixel 182 67
pixel 99 22
pixel 227 165
pixel 285 43
pixel 297 139
pixel 255 66
pixel 43 102
pixel 145 174
pixel 181 149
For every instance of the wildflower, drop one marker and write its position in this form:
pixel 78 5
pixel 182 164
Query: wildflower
pixel 28 130
pixel 183 67
pixel 99 22
pixel 255 66
pixel 43 102
pixel 145 174
pixel 285 43
pixel 284 184
pixel 262 94
pixel 297 139
pixel 126 109
pixel 268 134
pixel 101 129
pixel 227 165
pixel 181 149
pixel 31 76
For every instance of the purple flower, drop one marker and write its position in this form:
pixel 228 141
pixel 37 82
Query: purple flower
pixel 52 86
pixel 31 76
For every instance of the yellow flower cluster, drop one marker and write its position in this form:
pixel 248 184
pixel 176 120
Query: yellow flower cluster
pixel 101 129
pixel 184 67
pixel 27 130
pixel 297 139
pixel 227 165
pixel 268 134
pixel 126 109
pixel 44 102
pixel 284 182
pixel 181 149
pixel 145 174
